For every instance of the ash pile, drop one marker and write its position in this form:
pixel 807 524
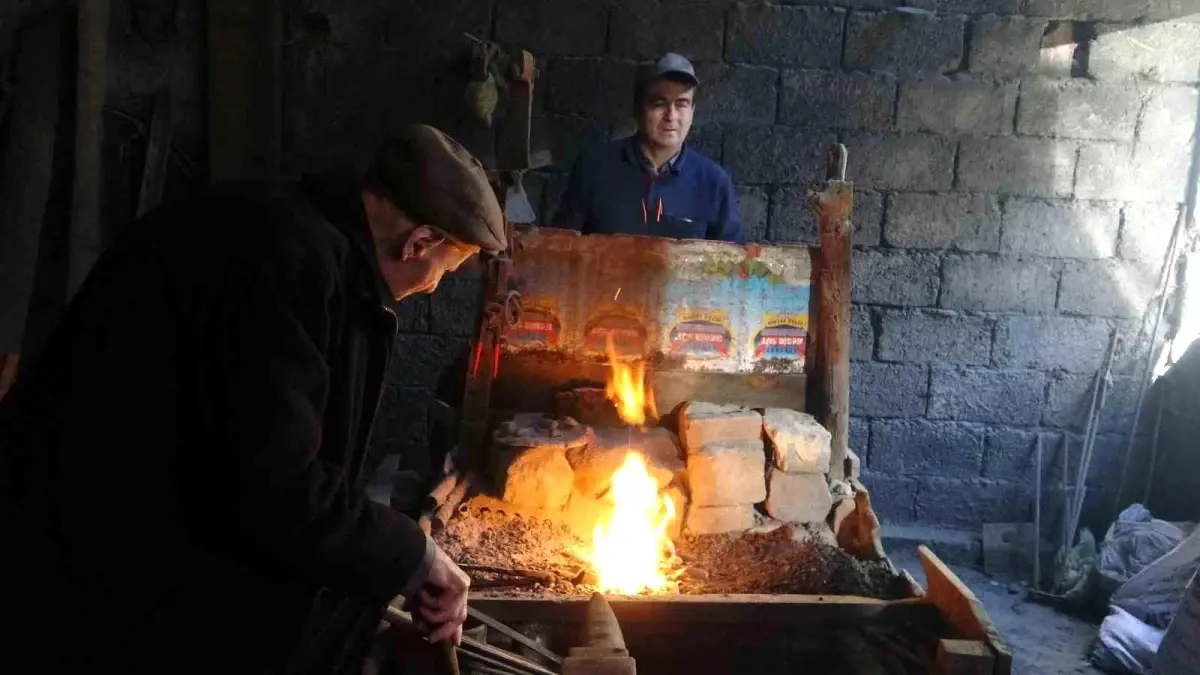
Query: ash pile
pixel 746 505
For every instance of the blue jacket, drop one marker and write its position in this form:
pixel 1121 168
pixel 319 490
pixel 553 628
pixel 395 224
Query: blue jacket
pixel 612 190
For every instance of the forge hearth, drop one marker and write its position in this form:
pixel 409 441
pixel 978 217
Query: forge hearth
pixel 752 508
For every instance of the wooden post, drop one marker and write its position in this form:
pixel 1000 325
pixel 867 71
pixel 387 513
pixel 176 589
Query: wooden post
pixel 86 235
pixel 831 403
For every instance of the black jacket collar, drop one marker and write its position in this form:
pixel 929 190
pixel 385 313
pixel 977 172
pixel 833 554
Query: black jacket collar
pixel 337 194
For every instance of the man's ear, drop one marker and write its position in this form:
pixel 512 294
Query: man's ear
pixel 420 242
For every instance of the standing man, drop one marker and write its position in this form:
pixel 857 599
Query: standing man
pixel 654 183
pixel 181 469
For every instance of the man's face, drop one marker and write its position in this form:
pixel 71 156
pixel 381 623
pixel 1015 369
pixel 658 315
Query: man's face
pixel 666 113
pixel 412 257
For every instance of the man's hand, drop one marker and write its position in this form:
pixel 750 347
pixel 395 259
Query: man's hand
pixel 444 598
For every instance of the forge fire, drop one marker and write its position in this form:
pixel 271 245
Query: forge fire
pixel 719 499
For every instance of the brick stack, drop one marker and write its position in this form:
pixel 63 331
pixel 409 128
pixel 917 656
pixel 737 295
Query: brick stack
pixel 797 490
pixel 725 466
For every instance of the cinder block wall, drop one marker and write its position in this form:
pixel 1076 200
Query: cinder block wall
pixel 1019 165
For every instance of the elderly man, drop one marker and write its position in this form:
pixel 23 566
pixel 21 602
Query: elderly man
pixel 654 183
pixel 180 469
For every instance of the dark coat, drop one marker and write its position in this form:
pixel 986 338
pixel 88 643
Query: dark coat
pixel 180 467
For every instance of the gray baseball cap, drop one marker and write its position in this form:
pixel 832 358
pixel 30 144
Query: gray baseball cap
pixel 671 66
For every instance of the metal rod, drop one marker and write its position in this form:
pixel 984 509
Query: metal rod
pixel 1037 515
pixel 1099 394
pixel 513 633
pixel 1147 370
pixel 1067 495
pixel 1162 403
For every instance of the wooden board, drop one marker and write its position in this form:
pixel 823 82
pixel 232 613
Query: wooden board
pixel 690 610
pixel 785 390
pixel 962 609
pixel 964 657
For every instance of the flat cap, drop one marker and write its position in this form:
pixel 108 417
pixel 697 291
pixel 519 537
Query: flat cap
pixel 437 182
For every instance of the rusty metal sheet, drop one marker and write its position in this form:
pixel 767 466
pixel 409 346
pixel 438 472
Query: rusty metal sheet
pixel 698 306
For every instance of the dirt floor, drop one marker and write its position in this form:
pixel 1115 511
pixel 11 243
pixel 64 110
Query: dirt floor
pixel 516 557
pixel 1043 640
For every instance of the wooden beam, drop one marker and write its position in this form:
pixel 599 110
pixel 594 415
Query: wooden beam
pixel 26 173
pixel 961 609
pixel 158 151
pixel 691 610
pixel 833 207
pixel 87 239
pixel 244 40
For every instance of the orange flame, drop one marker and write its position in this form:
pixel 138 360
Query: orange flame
pixel 629 545
pixel 628 549
pixel 626 387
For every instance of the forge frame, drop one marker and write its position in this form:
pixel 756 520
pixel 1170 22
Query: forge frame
pixel 739 633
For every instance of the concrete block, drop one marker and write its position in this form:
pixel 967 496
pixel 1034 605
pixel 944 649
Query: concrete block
pixel 1146 231
pixel 1078 109
pixel 785 36
pixel 1174 10
pixel 1163 52
pixel 964 222
pixel 798 498
pixel 893 499
pixel 902 279
pixel 704 423
pixel 1134 173
pixel 1108 287
pixel 903 43
pixel 1030 167
pixel 887 389
pixel 539 478
pixel 736 94
pixel 1069 397
pixel 838 99
pixel 412 314
pixel 1112 10
pixel 753 205
pixel 455 309
pixel 968 504
pixel 797 442
pixel 709 139
pixel 860 435
pixel 793 222
pixel 977 395
pixel 920 447
pixel 777 154
pixel 1009 454
pixel 647 30
pixel 1050 343
pixel 862 334
pixel 595 463
pixel 727 473
pixel 1169 116
pixel 1134 346
pixel 553 27
pixel 969 6
pixel 594 88
pixel 930 336
pixel 420 360
pixel 999 284
pixel 901 161
pixel 719 519
pixel 1060 229
pixel 566 137
pixel 403 417
pixel 1006 45
pixel 957 106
